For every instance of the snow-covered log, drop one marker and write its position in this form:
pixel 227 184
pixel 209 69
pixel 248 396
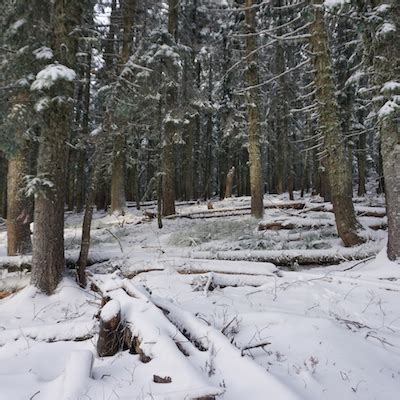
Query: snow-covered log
pixel 292 257
pixel 78 371
pixel 159 339
pixel 227 212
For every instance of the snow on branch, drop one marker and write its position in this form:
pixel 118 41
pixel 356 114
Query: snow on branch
pixel 52 73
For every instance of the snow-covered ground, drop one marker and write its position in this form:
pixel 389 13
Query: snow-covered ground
pixel 209 319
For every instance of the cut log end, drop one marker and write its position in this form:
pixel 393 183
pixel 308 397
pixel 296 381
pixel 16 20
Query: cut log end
pixel 111 330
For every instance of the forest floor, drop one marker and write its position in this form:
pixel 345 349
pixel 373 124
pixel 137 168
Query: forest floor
pixel 224 307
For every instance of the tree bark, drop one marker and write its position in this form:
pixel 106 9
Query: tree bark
pixel 229 182
pixel 3 186
pixel 118 201
pixel 18 218
pixel 361 164
pixel 170 125
pixel 335 159
pixel 87 219
pixel 18 205
pixel 256 179
pixel 387 69
pixel 48 237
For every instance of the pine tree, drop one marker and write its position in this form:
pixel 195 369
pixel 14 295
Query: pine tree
pixel 335 158
pixel 56 82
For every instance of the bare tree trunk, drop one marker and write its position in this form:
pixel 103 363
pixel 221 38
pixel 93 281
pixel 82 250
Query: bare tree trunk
pixel 168 150
pixel 48 237
pixel 229 182
pixel 87 219
pixel 18 205
pixel 387 69
pixel 188 170
pixel 256 179
pixel 118 201
pixel 390 134
pixel 3 186
pixel 80 184
pixel 118 196
pixel 335 159
pixel 18 218
pixel 361 163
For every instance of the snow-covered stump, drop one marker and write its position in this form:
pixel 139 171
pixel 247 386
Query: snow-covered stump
pixel 78 370
pixel 111 332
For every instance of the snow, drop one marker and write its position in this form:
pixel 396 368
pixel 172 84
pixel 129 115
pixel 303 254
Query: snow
pixel 42 104
pixel 335 3
pixel 110 310
pixel 52 73
pixel 329 331
pixel 17 24
pixel 391 86
pixel 43 53
pixel 388 108
pixel 386 28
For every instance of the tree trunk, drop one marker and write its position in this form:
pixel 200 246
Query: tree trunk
pixel 170 126
pixel 387 69
pixel 18 205
pixel 361 164
pixel 48 237
pixel 118 195
pixel 118 201
pixel 87 219
pixel 256 179
pixel 329 123
pixel 80 178
pixel 3 186
pixel 229 182
pixel 18 218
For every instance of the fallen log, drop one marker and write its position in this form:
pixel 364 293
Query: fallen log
pixel 308 224
pixel 199 266
pixel 59 332
pixel 224 354
pixel 210 281
pixel 24 263
pixel 290 258
pixel 158 337
pixel 227 212
pixel 361 211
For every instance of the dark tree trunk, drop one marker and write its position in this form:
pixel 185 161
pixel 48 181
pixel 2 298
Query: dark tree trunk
pixel 3 186
pixel 387 69
pixel 335 159
pixel 256 179
pixel 229 182
pixel 48 237
pixel 18 210
pixel 118 201
pixel 362 164
pixel 170 127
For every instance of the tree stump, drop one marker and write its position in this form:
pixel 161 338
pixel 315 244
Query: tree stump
pixel 111 329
